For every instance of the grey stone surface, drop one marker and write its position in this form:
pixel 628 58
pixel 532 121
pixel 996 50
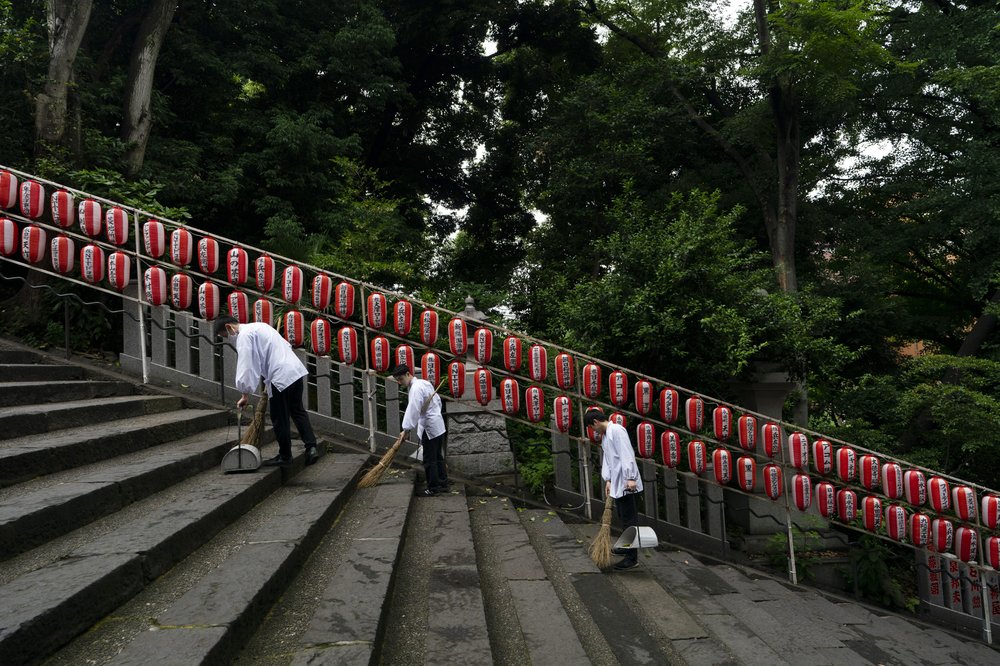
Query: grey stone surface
pixel 517 557
pixel 334 655
pixel 456 621
pixel 39 373
pixel 742 642
pixel 547 630
pixel 180 646
pixel 18 393
pixel 703 652
pixel 661 609
pixel 21 420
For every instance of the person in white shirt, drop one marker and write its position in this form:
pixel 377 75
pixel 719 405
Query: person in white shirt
pixel 423 413
pixel 622 480
pixel 262 353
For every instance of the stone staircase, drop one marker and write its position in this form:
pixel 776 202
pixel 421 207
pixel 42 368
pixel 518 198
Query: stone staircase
pixel 121 542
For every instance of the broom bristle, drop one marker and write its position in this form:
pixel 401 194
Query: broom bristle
pixel 374 475
pixel 600 548
pixel 255 430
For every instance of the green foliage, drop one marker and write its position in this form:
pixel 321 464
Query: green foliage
pixel 876 571
pixel 533 450
pixel 806 543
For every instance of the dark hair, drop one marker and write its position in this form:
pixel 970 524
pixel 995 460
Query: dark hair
pixel 593 414
pixel 400 370
pixel 219 327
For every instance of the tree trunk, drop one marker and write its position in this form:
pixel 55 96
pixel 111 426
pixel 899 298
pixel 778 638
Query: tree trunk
pixel 138 120
pixel 67 22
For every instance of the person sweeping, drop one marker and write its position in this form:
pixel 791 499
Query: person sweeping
pixel 429 424
pixel 262 354
pixel 622 481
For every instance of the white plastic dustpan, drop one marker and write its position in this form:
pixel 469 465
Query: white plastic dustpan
pixel 637 537
pixel 242 457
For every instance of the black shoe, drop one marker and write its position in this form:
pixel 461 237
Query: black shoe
pixel 625 565
pixel 620 551
pixel 312 455
pixel 427 492
pixel 277 461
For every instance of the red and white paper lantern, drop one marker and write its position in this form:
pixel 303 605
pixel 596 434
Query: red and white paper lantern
pixel 237 266
pixel 181 246
pixel 772 438
pixel 512 353
pixel 798 450
pixel 181 291
pixel 564 368
pixel 915 487
pixel 291 285
pixel 377 310
pixel 534 404
pixel 63 209
pixel 538 363
pixel 322 291
pixel 63 254
pixel 694 413
pixel 869 471
pixel 562 413
pixel 428 326
pixel 847 464
pixel 670 448
pixel 991 511
pixel 91 221
pixel 802 491
pixel 208 300
pixel 239 306
pixel 993 552
pixel 773 480
pixel 722 465
pixel 669 405
pixel 10 236
pixel 347 345
pixel 293 328
pixel 8 189
pixel 430 367
pixel 406 356
pixel 920 530
pixel 590 380
pixel 964 501
pixel 871 513
pixel 619 418
pixel 320 337
pixel 746 432
pixel 402 322
pixel 644 396
pixel 155 285
pixel 483 382
pixel 697 454
pixel 34 242
pixel 510 396
pixel 264 273
pixel 822 456
pixel 482 345
pixel 343 300
pixel 458 336
pixel 618 388
pixel 92 263
pixel 263 311
pixel 895 522
pixel 722 423
pixel 381 353
pixel 826 499
pixel 966 544
pixel 32 199
pixel 847 505
pixel 939 494
pixel 942 535
pixel 456 378
pixel 892 480
pixel 746 473
pixel 116 226
pixel 154 238
pixel 645 439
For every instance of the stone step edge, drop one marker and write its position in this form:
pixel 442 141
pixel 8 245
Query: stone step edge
pixel 34 419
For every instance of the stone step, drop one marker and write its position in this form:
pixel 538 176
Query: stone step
pixel 50 603
pixel 24 420
pixel 24 458
pixel 32 393
pixel 212 620
pixel 29 517
pixel 18 372
pixel 514 578
pixel 20 356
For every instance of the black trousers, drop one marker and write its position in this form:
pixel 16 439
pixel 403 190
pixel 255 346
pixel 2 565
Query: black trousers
pixel 434 467
pixel 629 515
pixel 286 406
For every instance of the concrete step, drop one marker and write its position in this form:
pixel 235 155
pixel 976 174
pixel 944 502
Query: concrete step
pixel 24 458
pixel 22 420
pixel 212 620
pixel 31 516
pixel 18 372
pixel 33 393
pixel 51 601
pixel 20 356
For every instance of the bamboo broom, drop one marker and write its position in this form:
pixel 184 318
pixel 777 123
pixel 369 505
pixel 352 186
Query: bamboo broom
pixel 374 475
pixel 254 431
pixel 600 548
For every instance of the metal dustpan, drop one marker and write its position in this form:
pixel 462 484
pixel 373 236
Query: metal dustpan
pixel 242 457
pixel 637 537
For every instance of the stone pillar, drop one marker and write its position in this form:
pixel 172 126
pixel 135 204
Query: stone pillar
pixel 477 440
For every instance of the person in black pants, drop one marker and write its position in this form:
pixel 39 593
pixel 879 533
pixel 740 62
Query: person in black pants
pixel 261 353
pixel 423 413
